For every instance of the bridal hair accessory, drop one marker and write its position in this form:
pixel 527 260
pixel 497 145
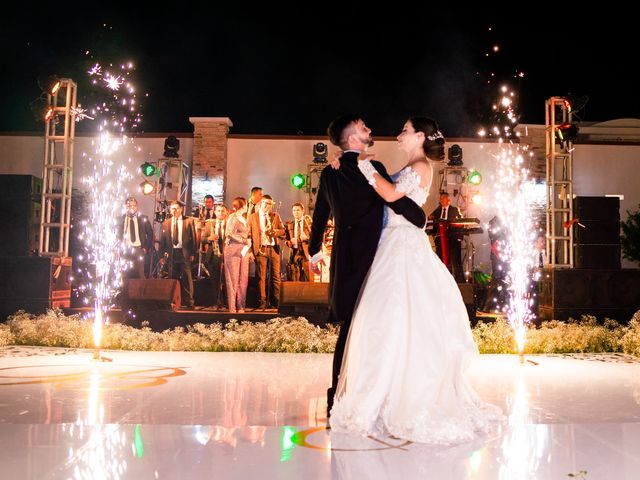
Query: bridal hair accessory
pixel 435 136
pixel 368 170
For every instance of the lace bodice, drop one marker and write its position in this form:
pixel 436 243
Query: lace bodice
pixel 408 181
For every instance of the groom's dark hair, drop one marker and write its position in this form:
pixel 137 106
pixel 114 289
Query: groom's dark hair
pixel 338 126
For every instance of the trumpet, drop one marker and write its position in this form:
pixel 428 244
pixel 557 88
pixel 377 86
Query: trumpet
pixel 270 232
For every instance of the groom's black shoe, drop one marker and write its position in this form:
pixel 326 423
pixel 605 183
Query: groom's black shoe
pixel 330 394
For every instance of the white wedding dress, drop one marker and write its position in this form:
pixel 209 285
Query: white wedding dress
pixel 410 344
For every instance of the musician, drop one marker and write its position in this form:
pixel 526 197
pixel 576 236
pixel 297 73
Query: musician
pixel 497 292
pixel 236 256
pixel 254 200
pixel 178 247
pixel 213 239
pixel 265 229
pixel 446 211
pixel 136 233
pixel 208 212
pixel 297 239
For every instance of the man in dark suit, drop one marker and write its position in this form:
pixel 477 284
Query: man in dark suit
pixel 298 233
pixel 178 245
pixel 446 211
pixel 265 229
pixel 254 200
pixel 213 239
pixel 136 233
pixel 358 212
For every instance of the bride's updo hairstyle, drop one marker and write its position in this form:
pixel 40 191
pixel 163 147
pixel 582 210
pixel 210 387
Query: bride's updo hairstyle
pixel 433 145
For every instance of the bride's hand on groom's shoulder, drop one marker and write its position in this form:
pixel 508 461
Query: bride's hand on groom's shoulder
pixel 335 163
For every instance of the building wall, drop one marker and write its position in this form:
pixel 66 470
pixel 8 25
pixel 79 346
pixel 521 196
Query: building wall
pixel 270 162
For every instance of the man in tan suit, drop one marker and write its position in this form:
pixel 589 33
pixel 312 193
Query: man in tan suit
pixel 265 229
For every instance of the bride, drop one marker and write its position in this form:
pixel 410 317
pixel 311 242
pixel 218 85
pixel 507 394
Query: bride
pixel 410 342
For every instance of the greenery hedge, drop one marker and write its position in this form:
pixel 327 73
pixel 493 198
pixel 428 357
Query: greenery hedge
pixel 289 334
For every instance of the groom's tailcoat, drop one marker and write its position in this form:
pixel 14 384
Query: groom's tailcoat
pixel 358 212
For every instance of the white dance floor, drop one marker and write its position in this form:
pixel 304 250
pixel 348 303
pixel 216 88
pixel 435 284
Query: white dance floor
pixel 180 415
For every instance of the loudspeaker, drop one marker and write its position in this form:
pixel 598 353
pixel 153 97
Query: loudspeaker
pixel 34 284
pixel 151 293
pixel 597 232
pixel 304 293
pixel 18 186
pixel 596 208
pixel 571 292
pixel 20 214
pixel 602 257
pixel 305 298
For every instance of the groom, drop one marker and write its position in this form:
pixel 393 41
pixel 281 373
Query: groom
pixel 357 210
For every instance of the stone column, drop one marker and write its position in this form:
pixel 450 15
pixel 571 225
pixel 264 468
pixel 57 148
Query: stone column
pixel 209 168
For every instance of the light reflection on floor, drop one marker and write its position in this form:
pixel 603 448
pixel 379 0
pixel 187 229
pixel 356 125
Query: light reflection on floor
pixel 249 415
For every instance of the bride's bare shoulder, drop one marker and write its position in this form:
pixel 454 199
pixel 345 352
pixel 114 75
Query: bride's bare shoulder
pixel 421 167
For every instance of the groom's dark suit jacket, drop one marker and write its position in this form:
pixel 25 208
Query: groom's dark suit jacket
pixel 357 210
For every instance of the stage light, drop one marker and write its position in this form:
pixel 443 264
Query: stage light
pixel 49 114
pixel 147 188
pixel 454 154
pixel 476 198
pixel 575 104
pixel 320 153
pixel 475 178
pixel 148 169
pixel 49 84
pixel 567 132
pixel 298 180
pixel 171 147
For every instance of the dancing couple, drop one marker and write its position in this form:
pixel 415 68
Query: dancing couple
pixel 405 341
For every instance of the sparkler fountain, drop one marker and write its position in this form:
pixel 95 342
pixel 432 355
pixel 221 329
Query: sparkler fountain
pixel 514 200
pixel 115 114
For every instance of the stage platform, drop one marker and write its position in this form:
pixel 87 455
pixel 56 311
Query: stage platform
pixel 194 415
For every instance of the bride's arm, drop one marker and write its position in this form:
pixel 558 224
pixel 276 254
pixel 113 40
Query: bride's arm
pixel 387 190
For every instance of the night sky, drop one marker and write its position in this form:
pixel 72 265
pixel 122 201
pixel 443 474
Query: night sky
pixel 276 70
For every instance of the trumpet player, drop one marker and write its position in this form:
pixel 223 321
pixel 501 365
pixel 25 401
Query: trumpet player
pixel 265 230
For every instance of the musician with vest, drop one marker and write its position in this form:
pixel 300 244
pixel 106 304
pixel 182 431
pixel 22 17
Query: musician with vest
pixel 446 211
pixel 297 239
pixel 265 230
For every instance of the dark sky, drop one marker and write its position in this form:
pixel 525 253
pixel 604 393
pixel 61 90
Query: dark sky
pixel 277 70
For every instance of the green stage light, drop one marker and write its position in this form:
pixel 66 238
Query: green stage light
pixel 298 180
pixel 475 178
pixel 148 169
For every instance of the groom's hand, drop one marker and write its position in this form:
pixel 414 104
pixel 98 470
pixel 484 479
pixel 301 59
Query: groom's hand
pixel 316 267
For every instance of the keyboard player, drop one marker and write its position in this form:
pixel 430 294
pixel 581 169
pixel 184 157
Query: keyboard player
pixel 449 251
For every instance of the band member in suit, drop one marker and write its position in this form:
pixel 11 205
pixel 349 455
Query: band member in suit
pixel 297 235
pixel 178 247
pixel 358 214
pixel 254 201
pixel 236 256
pixel 213 239
pixel 265 229
pixel 136 233
pixel 446 211
pixel 208 212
